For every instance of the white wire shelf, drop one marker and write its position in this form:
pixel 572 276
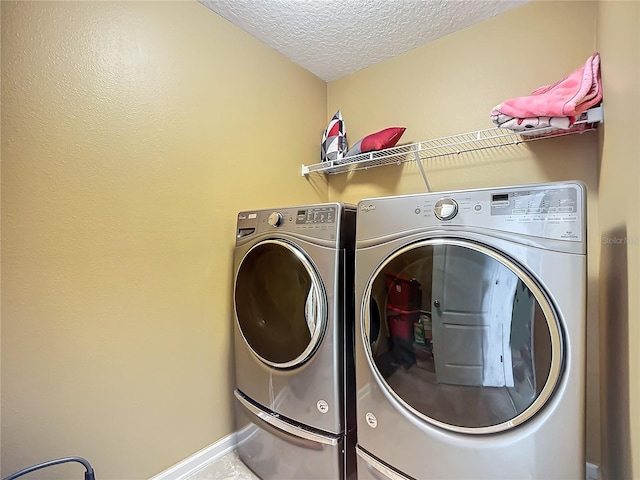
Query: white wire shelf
pixel 452 145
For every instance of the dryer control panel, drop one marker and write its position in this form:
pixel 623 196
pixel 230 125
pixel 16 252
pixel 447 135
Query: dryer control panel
pixel 554 211
pixel 535 203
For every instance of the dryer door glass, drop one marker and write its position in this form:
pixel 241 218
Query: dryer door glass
pixel 461 336
pixel 280 304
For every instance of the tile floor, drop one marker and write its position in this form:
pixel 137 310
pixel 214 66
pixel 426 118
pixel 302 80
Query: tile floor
pixel 225 468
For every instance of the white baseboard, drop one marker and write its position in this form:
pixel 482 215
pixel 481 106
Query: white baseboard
pixel 593 472
pixel 202 458
pixel 198 460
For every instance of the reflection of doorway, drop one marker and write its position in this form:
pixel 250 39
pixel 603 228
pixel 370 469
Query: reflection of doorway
pixel 472 301
pixel 506 334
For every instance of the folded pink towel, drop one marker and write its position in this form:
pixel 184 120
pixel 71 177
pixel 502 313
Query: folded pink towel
pixel 569 97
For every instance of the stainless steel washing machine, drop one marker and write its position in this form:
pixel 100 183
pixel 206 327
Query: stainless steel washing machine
pixel 294 335
pixel 470 339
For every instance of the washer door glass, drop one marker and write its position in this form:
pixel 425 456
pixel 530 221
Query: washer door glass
pixel 280 304
pixel 461 336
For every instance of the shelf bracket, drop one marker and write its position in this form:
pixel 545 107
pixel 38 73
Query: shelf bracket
pixel 421 167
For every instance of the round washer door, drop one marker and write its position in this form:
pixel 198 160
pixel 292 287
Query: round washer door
pixel 463 337
pixel 280 304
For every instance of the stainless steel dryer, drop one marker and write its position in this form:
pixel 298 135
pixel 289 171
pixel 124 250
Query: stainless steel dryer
pixel 470 340
pixel 294 359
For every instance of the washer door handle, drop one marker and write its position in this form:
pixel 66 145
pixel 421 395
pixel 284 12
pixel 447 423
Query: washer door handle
pixel 310 311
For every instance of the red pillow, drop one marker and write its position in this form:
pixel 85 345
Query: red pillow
pixel 386 138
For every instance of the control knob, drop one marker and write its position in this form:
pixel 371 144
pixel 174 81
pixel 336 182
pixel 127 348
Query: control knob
pixel 275 219
pixel 445 208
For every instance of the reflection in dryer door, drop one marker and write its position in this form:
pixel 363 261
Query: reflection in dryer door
pixel 490 353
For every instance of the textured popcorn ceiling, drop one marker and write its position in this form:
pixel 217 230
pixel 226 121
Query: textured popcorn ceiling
pixel 333 38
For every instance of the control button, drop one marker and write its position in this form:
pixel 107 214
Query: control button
pixel 275 219
pixel 417 211
pixel 445 208
pixel 323 406
pixel 371 420
pixel 477 207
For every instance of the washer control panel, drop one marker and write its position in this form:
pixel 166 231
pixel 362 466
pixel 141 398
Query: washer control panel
pixel 319 221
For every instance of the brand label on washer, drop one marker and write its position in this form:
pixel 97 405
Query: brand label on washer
pixel 323 407
pixel 372 421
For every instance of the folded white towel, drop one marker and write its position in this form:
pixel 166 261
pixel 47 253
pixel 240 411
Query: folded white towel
pixel 523 124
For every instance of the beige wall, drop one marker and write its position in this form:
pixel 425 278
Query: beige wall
pixel 449 87
pixel 132 133
pixel 619 190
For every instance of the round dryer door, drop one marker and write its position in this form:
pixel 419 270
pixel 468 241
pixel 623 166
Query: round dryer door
pixel 461 336
pixel 280 304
